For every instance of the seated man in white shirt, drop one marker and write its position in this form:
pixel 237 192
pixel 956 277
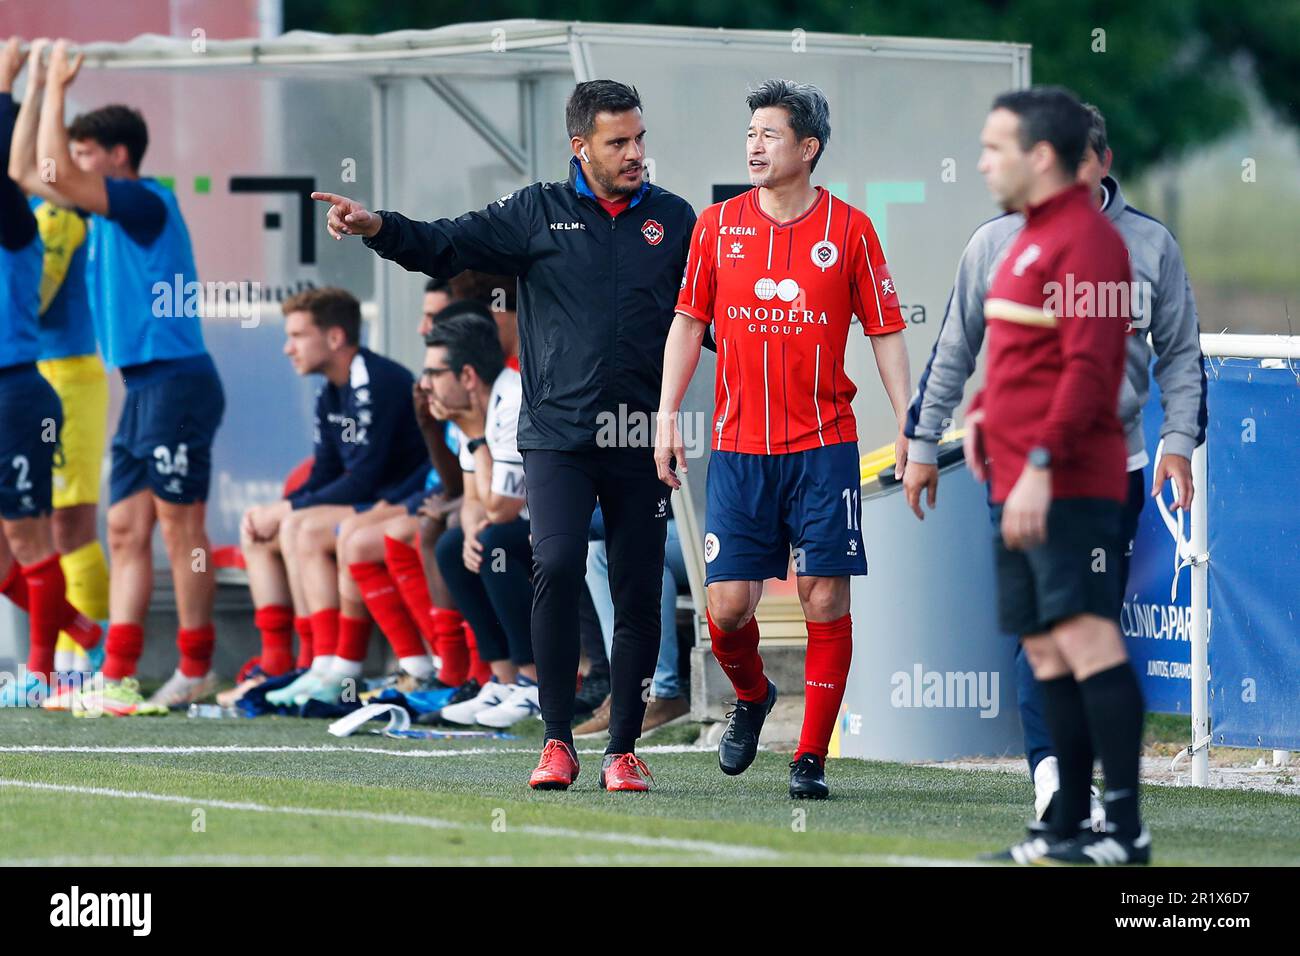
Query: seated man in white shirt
pixel 485 561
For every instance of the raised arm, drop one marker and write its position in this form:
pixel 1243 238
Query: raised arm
pixel 70 186
pixel 17 224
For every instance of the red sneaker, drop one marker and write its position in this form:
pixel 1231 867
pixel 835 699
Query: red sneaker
pixel 625 772
pixel 557 769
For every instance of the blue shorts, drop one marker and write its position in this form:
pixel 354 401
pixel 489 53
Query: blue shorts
pixel 32 417
pixel 432 485
pixel 761 506
pixel 164 437
pixel 410 492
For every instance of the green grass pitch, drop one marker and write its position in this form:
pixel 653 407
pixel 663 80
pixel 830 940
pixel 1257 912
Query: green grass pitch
pixel 179 791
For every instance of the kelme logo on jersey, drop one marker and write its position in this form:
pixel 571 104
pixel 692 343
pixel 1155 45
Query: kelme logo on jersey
pixel 653 232
pixel 825 254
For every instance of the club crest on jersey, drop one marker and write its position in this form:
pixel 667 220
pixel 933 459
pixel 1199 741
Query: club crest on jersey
pixel 711 547
pixel 653 232
pixel 825 254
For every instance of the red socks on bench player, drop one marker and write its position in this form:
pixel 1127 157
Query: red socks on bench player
pixel 407 572
pixel 386 605
pixel 354 640
pixel 303 626
pixel 275 621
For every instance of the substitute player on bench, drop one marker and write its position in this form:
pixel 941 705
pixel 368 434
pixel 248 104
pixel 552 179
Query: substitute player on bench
pixel 780 272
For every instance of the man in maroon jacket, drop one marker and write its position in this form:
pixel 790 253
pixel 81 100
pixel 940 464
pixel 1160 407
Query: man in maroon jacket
pixel 1045 432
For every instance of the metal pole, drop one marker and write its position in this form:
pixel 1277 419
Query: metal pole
pixel 1200 622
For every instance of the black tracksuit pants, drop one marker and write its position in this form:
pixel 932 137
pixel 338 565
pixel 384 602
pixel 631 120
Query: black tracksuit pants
pixel 563 487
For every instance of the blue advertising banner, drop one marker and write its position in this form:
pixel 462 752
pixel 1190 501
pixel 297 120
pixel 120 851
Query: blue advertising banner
pixel 1254 538
pixel 1157 626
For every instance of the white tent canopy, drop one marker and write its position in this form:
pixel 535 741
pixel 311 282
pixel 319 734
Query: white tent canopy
pixel 533 46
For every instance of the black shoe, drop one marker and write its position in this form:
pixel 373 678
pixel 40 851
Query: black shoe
pixel 1101 849
pixel 808 778
pixel 593 694
pixel 1038 840
pixel 739 744
pixel 463 693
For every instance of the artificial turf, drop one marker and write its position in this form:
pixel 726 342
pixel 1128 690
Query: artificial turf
pixel 372 800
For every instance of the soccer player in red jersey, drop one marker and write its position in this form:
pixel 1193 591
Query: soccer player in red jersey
pixel 780 272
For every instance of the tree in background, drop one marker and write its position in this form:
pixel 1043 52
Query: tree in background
pixel 1162 70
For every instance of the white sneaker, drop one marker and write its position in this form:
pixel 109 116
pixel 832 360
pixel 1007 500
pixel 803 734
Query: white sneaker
pixel 492 693
pixel 520 705
pixel 1098 814
pixel 181 691
pixel 1047 780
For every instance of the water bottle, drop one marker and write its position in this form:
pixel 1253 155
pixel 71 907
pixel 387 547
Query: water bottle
pixel 211 711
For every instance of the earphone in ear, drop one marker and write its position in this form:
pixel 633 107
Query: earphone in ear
pixel 583 153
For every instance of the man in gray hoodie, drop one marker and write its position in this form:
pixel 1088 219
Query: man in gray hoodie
pixel 1162 305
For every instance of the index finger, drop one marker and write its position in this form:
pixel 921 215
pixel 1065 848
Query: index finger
pixel 330 198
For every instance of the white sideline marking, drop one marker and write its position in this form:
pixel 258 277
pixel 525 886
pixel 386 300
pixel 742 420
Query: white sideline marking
pixel 323 748
pixel 431 823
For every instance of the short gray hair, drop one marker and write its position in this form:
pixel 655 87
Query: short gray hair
pixel 1096 131
pixel 810 114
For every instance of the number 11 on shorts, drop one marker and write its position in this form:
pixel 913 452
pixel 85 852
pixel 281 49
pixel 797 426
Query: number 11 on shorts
pixel 851 500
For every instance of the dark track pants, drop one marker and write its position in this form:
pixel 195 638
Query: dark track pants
pixel 563 487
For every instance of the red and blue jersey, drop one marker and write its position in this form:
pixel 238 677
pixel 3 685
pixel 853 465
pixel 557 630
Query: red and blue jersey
pixel 781 297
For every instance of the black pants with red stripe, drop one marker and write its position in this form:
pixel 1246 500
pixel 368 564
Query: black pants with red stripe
pixel 563 487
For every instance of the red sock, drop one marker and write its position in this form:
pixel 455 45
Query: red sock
pixel 449 642
pixel 324 632
pixel 47 577
pixel 303 626
pixel 826 669
pixel 196 644
pixel 388 609
pixel 737 652
pixel 354 636
pixel 14 587
pixel 46 603
pixel 404 566
pixel 479 669
pixel 122 650
pixel 275 621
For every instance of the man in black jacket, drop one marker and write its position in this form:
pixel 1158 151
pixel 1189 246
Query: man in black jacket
pixel 599 260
